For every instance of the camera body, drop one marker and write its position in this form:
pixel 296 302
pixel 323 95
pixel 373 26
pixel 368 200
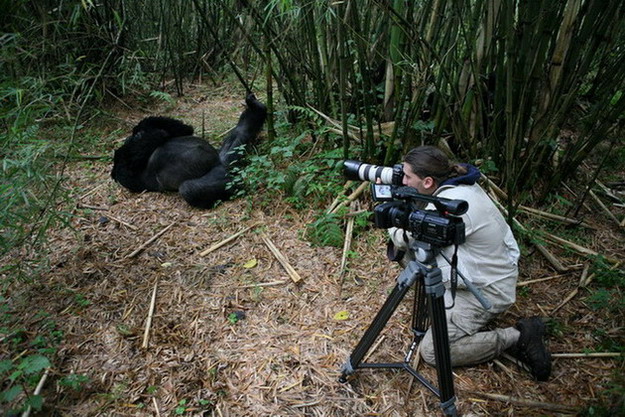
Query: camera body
pixel 441 227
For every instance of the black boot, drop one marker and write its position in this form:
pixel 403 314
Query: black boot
pixel 531 350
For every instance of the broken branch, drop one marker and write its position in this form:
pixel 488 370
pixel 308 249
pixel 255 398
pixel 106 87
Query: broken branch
pixel 228 240
pixel 152 239
pixel 281 258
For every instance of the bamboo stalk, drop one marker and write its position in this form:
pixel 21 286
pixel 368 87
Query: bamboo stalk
pixel 281 258
pixel 577 248
pixel 555 262
pixel 152 239
pixel 338 198
pixel 38 389
pixel 528 403
pixel 556 217
pixel 260 284
pixel 587 355
pixel 128 225
pixel 228 240
pixel 583 282
pixel 148 323
pixel 349 230
pixel 604 208
pixel 533 281
pixel 352 196
pixel 542 249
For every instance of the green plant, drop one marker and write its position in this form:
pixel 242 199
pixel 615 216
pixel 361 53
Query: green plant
pixel 21 376
pixel 74 381
pixel 326 230
pixel 181 408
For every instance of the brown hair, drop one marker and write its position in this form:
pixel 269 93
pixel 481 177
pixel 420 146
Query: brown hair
pixel 429 161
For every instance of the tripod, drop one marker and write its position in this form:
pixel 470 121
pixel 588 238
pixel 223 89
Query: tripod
pixel 429 290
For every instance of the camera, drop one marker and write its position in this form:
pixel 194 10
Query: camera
pixel 356 170
pixel 440 227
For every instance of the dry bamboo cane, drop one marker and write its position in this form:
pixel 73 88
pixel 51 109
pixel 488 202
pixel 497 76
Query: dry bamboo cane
pixel 590 355
pixel 352 196
pixel 583 282
pixel 227 240
pixel 604 208
pixel 38 389
pixel 152 239
pixel 148 323
pixel 338 198
pixel 577 248
pixel 543 250
pixel 281 258
pixel 555 217
pixel 527 403
pixel 349 230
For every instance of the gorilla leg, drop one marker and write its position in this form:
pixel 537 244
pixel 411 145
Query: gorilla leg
pixel 204 192
pixel 181 159
pixel 249 125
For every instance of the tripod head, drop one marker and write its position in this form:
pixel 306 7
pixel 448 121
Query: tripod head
pixel 425 254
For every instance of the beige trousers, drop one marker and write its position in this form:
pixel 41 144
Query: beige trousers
pixel 467 344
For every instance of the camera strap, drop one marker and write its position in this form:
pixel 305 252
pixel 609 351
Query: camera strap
pixel 453 279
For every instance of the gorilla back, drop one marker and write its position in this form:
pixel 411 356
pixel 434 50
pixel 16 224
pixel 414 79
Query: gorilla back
pixel 162 155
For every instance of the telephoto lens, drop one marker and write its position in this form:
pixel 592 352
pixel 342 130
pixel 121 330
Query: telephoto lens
pixel 356 170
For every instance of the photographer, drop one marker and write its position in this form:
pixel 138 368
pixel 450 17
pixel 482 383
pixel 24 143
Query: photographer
pixel 488 258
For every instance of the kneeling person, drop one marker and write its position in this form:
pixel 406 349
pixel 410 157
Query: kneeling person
pixel 488 258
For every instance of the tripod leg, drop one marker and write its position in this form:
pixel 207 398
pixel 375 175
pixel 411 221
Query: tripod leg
pixel 435 291
pixel 405 280
pixel 374 330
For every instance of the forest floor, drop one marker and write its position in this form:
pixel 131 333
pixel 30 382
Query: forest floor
pixel 161 329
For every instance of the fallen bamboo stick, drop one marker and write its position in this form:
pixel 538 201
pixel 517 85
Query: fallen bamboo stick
pixel 542 249
pixel 583 282
pixel 528 403
pixel 93 190
pixel 534 281
pixel 555 262
pixel 281 258
pixel 228 240
pixel 352 196
pixel 128 225
pixel 148 323
pixel 338 198
pixel 577 248
pixel 552 216
pixel 603 207
pixel 38 389
pixel 89 207
pixel 158 412
pixel 349 231
pixel 588 355
pixel 260 284
pixel 500 193
pixel 152 239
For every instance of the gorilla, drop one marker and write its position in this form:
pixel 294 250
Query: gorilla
pixel 163 155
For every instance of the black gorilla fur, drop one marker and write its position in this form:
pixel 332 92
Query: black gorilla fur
pixel 162 155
